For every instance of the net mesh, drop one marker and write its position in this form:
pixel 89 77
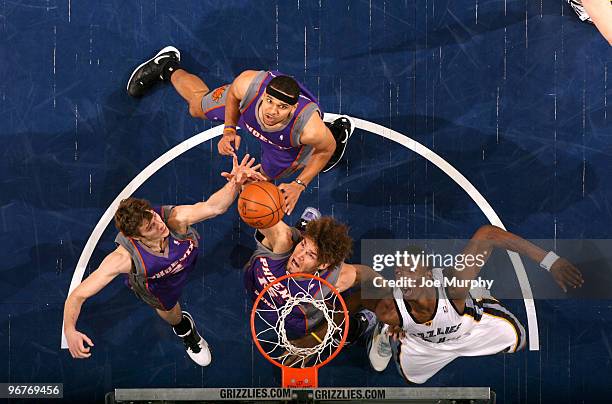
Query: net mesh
pixel 273 335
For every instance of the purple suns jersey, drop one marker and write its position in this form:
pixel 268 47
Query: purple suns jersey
pixel 264 267
pixel 158 278
pixel 282 151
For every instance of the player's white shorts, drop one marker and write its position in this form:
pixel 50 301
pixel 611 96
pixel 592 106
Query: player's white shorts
pixel 497 331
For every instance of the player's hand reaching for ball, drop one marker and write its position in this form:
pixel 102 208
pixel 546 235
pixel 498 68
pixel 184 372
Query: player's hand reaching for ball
pixel 566 275
pixel 229 143
pixel 291 192
pixel 244 172
pixel 76 344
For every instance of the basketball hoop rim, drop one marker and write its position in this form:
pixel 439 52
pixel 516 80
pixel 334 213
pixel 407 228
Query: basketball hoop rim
pixel 300 275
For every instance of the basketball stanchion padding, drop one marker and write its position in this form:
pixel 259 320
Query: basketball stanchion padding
pixel 286 299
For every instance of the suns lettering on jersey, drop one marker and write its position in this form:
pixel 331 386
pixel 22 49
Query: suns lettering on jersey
pixel 278 289
pixel 178 265
pixel 261 137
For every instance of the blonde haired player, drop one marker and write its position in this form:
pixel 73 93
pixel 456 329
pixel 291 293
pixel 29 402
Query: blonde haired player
pixel 437 324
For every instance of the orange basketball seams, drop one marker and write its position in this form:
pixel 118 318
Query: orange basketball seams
pixel 260 205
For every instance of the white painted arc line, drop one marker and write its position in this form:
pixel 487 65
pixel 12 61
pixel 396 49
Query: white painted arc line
pixel 129 189
pixel 466 185
pixel 390 134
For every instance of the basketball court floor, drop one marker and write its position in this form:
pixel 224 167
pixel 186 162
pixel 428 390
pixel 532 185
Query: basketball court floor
pixel 469 112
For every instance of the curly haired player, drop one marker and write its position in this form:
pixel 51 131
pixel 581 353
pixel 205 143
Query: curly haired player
pixel 320 249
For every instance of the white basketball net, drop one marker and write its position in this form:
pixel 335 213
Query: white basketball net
pixel 274 335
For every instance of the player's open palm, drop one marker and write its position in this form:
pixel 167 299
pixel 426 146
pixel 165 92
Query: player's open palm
pixel 76 345
pixel 245 171
pixel 566 275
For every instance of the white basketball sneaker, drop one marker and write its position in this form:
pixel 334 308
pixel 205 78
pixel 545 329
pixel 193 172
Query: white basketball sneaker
pixel 379 348
pixel 196 346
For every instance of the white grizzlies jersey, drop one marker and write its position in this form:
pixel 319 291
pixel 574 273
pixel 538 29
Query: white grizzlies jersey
pixel 446 323
pixel 484 328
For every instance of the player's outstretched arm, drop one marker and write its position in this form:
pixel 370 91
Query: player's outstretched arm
pixel 317 135
pixel 362 279
pixel 218 203
pixel 117 262
pixel 230 141
pixel 278 238
pixel 600 12
pixel 488 237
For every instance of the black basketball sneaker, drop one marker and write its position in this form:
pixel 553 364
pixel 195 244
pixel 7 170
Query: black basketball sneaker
pixel 152 71
pixel 342 129
pixel 196 346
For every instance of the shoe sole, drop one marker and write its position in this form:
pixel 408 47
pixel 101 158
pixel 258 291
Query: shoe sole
pixel 345 143
pixel 369 347
pixel 164 50
pixel 318 214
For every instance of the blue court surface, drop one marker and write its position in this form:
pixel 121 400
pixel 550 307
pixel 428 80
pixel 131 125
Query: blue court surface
pixel 515 94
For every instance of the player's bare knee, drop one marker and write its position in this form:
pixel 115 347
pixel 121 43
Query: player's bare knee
pixel 195 109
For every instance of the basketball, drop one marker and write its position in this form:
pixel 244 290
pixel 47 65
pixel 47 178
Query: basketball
pixel 260 205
